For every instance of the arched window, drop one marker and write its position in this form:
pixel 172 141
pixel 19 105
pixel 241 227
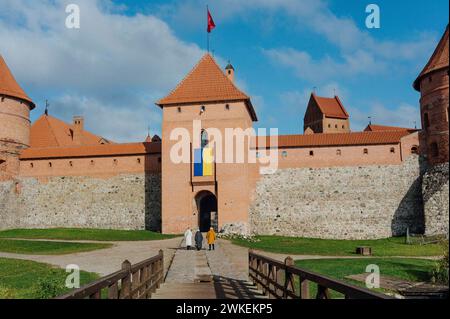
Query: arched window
pixel 426 121
pixel 434 150
pixel 204 139
pixel 414 150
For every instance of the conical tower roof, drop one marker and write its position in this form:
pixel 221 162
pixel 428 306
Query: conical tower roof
pixel 206 83
pixel 439 60
pixel 9 85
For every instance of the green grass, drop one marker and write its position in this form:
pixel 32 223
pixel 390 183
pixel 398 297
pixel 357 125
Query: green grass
pixel 84 234
pixel 417 270
pixel 327 247
pixel 20 279
pixel 47 247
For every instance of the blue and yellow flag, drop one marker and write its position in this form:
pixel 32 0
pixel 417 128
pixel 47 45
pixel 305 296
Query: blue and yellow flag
pixel 203 162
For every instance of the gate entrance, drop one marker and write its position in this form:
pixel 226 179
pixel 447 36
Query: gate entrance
pixel 207 211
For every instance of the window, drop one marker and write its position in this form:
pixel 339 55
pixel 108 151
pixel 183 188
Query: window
pixel 414 150
pixel 227 107
pixel 179 109
pixel 343 126
pixel 336 126
pixel 71 164
pixel 392 150
pixel 3 99
pixel 329 125
pixel 203 109
pixel 311 153
pixel 31 165
pixel 426 121
pixel 338 153
pixel 204 138
pixel 139 161
pixel 366 151
pixel 284 154
pixel 92 163
pixel 434 149
pixel 50 164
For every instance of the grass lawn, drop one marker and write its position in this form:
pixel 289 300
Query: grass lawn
pixel 46 247
pixel 23 279
pixel 327 247
pixel 402 268
pixel 84 234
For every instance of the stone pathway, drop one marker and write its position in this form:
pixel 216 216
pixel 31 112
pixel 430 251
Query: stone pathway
pixel 218 274
pixel 109 260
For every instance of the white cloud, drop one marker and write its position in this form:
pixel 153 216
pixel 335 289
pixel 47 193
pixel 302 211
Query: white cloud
pixel 111 68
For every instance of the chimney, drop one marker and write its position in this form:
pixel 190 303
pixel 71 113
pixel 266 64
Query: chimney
pixel 229 70
pixel 78 128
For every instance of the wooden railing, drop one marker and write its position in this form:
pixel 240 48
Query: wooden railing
pixel 285 281
pixel 137 281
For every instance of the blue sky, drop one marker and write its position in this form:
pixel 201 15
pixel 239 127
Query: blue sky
pixel 128 54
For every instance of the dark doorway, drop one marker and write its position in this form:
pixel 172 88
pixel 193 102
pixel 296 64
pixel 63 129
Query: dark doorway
pixel 207 211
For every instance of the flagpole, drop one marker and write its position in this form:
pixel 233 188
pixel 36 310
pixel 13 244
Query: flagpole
pixel 207 33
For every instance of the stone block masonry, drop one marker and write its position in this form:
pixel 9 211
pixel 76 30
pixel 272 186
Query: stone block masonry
pixel 436 200
pixel 340 203
pixel 119 202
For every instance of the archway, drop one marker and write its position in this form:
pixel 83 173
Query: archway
pixel 207 211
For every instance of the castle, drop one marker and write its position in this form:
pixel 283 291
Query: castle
pixel 330 182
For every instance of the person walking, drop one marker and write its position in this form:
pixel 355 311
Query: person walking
pixel 188 239
pixel 211 238
pixel 198 240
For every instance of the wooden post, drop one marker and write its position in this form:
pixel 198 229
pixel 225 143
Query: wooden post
pixel 113 291
pixel 304 288
pixel 322 292
pixel 126 282
pixel 288 277
pixel 161 270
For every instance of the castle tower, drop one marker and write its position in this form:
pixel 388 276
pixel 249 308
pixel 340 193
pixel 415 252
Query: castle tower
pixel 229 69
pixel 433 85
pixel 204 190
pixel 15 107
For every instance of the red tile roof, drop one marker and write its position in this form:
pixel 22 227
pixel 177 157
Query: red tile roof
pixel 439 59
pixel 206 83
pixel 49 131
pixel 375 127
pixel 91 151
pixel 331 107
pixel 9 85
pixel 339 139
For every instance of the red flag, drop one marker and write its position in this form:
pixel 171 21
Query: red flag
pixel 211 24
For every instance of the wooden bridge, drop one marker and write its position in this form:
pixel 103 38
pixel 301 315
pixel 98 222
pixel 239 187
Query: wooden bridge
pixel 267 278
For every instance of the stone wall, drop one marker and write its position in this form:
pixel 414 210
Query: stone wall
pixel 342 203
pixel 119 202
pixel 436 199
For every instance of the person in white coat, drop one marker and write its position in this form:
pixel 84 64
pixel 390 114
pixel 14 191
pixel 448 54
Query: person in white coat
pixel 188 239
